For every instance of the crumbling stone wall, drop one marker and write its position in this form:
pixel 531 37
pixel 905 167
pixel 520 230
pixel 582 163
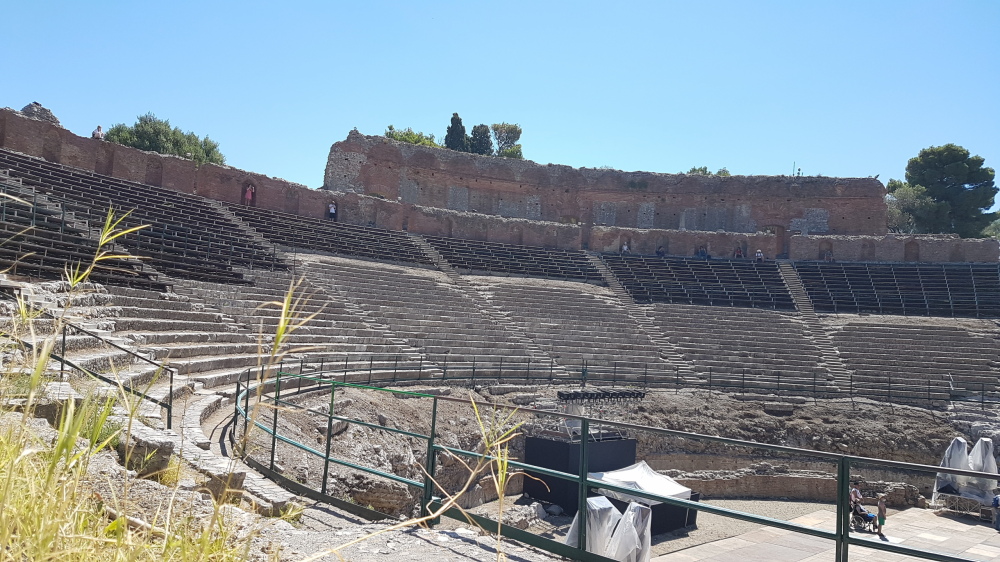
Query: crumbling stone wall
pixel 442 178
pixel 55 144
pixel 540 206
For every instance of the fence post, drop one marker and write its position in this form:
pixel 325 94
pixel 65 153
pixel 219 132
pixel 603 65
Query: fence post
pixel 814 388
pixel 62 364
pixel 329 438
pixel 614 373
pixel 527 371
pixel 274 424
pixel 371 361
pixel 473 370
pixel 552 366
pixel 445 375
pixel 743 382
pixel 843 514
pixel 500 372
pixel 982 396
pixel 170 399
pixel 888 387
pixel 583 469
pixel 246 403
pixel 709 382
pixel 677 379
pixel 928 393
pixel 645 375
pixel 429 464
pixel 583 375
pixel 236 407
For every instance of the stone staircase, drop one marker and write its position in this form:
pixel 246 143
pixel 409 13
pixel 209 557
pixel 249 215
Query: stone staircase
pixel 816 330
pixel 512 332
pixel 580 326
pixel 684 369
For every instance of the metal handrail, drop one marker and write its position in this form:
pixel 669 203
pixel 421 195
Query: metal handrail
pixel 168 406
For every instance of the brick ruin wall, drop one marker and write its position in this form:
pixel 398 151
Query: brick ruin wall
pixel 372 189
pixel 446 179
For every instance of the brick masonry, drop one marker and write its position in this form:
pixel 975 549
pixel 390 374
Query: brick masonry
pixel 393 185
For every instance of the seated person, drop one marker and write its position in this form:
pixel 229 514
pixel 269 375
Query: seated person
pixel 861 511
pixel 660 252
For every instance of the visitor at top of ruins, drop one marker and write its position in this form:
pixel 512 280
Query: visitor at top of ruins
pixel 97 134
pixel 661 252
pixel 625 249
pixel 760 255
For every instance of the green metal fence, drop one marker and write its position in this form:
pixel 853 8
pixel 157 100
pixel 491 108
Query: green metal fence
pixel 273 395
pixel 393 369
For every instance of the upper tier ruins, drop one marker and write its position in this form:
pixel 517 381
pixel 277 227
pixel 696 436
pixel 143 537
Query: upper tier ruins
pixel 446 179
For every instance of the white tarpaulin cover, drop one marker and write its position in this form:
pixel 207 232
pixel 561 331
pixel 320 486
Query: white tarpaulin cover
pixel 631 540
pixel 981 459
pixel 957 456
pixel 602 517
pixel 641 477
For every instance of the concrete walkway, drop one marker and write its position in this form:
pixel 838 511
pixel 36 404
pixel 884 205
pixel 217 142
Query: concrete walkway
pixel 916 528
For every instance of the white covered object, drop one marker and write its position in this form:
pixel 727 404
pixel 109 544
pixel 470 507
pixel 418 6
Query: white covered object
pixel 631 540
pixel 602 517
pixel 641 477
pixel 957 456
pixel 981 459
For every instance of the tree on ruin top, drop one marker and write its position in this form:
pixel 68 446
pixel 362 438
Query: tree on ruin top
pixel 455 137
pixel 156 135
pixel 411 136
pixel 952 176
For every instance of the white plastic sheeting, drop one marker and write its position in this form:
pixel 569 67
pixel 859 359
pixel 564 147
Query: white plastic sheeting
pixel 602 517
pixel 625 538
pixel 641 477
pixel 981 459
pixel 631 540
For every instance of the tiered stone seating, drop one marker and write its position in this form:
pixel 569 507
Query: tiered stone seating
pixel 579 325
pixel 949 289
pixel 763 350
pixel 295 231
pixel 187 237
pixel 915 357
pixel 427 310
pixel 39 243
pixel 716 282
pixel 473 256
pixel 333 330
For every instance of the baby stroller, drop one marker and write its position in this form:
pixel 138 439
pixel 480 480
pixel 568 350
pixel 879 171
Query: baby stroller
pixel 861 519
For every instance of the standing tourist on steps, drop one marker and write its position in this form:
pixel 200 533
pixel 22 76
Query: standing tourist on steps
pixel 332 214
pixel 248 195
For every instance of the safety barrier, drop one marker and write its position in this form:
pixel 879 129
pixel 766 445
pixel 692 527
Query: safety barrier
pixel 260 404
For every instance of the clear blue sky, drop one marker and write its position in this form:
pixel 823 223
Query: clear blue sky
pixel 838 88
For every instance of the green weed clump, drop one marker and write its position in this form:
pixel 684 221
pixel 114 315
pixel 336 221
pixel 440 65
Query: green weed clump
pixel 48 507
